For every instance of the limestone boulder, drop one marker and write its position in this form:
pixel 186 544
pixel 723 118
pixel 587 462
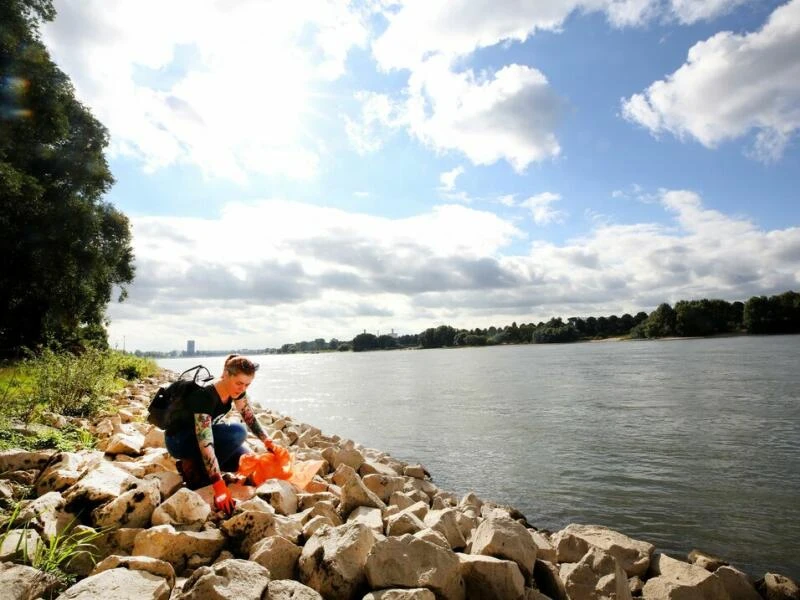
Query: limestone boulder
pixel 47 514
pixel 184 510
pixel 574 541
pixel 404 522
pixel 371 517
pixel 182 549
pixel 738 585
pixel 129 443
pixel 343 456
pixel 544 547
pixel 15 544
pixel 778 587
pixel 409 562
pixel 100 483
pixel 384 486
pixel 598 575
pixel 281 495
pixel 374 467
pixel 678 580
pixel 132 508
pixel 503 537
pixel 445 521
pixel 489 578
pixel 150 565
pixel 20 582
pixel 233 578
pixel 333 559
pixel 119 584
pixel 64 470
pixel 354 494
pixel 286 589
pixel 24 460
pixel 278 555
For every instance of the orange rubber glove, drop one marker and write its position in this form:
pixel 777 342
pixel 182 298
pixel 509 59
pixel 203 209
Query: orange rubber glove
pixel 222 497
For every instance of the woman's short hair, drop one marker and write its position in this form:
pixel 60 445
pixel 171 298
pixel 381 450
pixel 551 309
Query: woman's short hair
pixel 236 364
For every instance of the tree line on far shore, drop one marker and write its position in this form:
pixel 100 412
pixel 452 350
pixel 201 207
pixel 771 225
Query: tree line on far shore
pixel 687 318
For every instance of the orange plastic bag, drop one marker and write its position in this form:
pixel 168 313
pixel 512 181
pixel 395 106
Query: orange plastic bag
pixel 278 465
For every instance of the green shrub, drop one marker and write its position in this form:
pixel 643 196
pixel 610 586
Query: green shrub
pixel 131 367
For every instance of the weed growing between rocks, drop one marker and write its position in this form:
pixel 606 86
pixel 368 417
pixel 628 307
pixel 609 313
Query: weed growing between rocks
pixel 49 557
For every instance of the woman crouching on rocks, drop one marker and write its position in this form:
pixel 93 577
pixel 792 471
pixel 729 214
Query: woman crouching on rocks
pixel 204 445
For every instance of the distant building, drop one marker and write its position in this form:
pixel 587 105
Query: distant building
pixel 190 347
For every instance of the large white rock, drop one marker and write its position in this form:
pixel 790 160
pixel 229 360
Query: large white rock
pixel 100 483
pixel 229 579
pixel 573 542
pixel 286 589
pixel 445 521
pixel 153 566
pixel 490 578
pixel 678 580
pixel 278 555
pixel 119 584
pixel 502 537
pixel 333 559
pixel 384 486
pixel 23 460
pixel 281 495
pixel 183 510
pixel 371 517
pixel 65 470
pixel 738 585
pixel 598 575
pixel 20 582
pixel 407 561
pixel 182 549
pixel 133 508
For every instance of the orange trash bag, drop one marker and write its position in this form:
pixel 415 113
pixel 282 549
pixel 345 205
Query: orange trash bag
pixel 278 464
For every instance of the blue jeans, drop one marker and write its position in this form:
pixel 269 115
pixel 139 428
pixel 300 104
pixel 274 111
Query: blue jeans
pixel 228 444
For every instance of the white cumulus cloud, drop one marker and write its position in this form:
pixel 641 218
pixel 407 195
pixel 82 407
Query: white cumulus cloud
pixel 228 87
pixel 730 86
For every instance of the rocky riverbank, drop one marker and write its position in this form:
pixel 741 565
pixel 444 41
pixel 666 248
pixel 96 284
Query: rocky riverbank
pixel 367 527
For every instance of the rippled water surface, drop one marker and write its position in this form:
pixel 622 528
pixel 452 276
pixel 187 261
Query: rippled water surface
pixel 686 443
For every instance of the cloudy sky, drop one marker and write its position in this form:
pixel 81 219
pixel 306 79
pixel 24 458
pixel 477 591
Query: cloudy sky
pixel 295 170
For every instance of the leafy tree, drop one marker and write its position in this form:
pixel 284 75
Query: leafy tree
pixel 776 314
pixel 365 341
pixel 661 322
pixel 63 248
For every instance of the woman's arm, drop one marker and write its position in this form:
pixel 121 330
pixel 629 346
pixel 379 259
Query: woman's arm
pixel 205 437
pixel 243 406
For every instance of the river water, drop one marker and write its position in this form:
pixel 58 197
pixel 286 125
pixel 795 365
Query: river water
pixel 682 443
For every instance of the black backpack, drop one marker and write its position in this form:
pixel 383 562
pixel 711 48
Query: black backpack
pixel 167 403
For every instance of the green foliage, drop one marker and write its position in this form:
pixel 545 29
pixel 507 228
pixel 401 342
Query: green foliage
pixel 67 439
pixel 130 367
pixel 73 385
pixel 52 557
pixel 365 341
pixel 776 314
pixel 63 248
pixel 67 384
pixel 442 336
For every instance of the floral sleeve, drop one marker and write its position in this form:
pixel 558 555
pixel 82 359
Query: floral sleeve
pixel 205 437
pixel 243 406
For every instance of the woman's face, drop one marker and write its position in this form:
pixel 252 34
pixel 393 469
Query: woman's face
pixel 238 384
